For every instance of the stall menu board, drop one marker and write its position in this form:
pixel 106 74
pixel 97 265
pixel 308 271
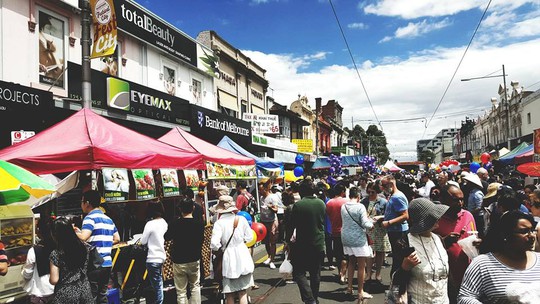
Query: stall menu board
pixel 115 184
pixel 192 178
pixel 222 171
pixel 169 179
pixel 144 183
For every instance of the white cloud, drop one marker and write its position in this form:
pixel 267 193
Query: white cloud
pixel 417 29
pixel 420 8
pixel 525 28
pixel 357 26
pixel 404 88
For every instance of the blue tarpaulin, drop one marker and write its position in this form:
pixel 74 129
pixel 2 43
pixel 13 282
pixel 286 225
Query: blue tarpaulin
pixel 323 162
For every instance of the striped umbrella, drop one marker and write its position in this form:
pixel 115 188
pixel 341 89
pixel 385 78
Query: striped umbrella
pixel 19 185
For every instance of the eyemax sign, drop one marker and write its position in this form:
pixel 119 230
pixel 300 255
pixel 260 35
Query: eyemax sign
pixel 116 94
pixel 140 23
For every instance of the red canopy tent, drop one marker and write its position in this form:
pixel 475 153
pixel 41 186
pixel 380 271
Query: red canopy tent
pixel 526 157
pixel 86 141
pixel 185 140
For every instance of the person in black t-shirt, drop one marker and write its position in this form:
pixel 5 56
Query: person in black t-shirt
pixel 187 233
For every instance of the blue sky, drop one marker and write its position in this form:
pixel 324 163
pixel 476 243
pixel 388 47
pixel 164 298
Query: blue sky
pixel 406 52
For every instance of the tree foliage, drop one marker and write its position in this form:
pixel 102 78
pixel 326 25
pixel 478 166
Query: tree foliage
pixel 426 156
pixel 371 140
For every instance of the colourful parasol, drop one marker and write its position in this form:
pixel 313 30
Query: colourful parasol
pixel 19 185
pixel 531 169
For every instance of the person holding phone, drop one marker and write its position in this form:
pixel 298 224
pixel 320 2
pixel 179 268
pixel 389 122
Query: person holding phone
pixel 427 266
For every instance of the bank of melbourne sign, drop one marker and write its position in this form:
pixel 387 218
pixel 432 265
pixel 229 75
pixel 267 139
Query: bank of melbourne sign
pixel 212 126
pixel 120 95
pixel 147 27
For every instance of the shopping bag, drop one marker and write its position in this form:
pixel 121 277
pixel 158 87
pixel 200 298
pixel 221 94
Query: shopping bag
pixel 286 267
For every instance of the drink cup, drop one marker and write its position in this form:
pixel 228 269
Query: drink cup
pixel 467 245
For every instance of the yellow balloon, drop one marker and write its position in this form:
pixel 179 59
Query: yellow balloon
pixel 253 240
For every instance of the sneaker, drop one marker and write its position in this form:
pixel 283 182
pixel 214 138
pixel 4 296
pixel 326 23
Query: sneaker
pixel 289 282
pixel 332 267
pixel 272 266
pixel 267 261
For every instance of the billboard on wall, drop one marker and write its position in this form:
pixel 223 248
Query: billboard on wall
pixel 133 20
pixel 536 138
pixel 111 93
pixel 52 33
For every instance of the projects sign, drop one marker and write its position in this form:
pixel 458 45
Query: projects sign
pixel 14 96
pixel 140 23
pixel 115 94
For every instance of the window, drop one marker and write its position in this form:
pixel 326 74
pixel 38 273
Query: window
pixel 243 108
pixel 196 90
pixel 528 118
pixel 52 49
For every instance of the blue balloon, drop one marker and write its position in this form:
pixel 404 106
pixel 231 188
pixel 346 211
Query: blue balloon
pixel 474 167
pixel 299 159
pixel 247 216
pixel 298 171
pixel 331 170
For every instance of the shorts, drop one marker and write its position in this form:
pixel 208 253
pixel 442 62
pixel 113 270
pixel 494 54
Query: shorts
pixel 364 251
pixel 271 231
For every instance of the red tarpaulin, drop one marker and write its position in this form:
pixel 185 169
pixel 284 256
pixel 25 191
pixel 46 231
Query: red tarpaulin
pixel 531 169
pixel 526 157
pixel 87 141
pixel 185 140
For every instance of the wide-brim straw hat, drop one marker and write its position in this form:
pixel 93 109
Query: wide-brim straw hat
pixel 473 178
pixel 492 190
pixel 222 190
pixel 424 214
pixel 225 204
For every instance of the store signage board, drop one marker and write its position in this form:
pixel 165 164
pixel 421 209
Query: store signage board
pixel 284 156
pixel 115 94
pixel 142 24
pixel 144 183
pixel 18 136
pixel 169 180
pixel 17 97
pixel 222 171
pixel 342 149
pixel 271 142
pixel 115 184
pixel 262 123
pixel 304 145
pixel 212 125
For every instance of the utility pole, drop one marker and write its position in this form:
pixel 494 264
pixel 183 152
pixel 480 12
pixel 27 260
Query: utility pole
pixel 86 44
pixel 507 107
pixel 316 132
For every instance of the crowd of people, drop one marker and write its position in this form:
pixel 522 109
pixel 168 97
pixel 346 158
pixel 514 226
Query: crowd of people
pixel 351 226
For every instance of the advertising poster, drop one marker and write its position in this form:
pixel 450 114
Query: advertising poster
pixel 192 178
pixel 169 178
pixel 536 138
pixel 144 183
pixel 221 171
pixel 105 32
pixel 51 50
pixel 115 184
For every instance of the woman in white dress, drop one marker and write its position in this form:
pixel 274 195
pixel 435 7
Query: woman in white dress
pixel 237 266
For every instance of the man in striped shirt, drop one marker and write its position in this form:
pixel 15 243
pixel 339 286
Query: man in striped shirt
pixel 98 230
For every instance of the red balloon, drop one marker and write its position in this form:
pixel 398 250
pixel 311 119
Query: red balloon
pixel 485 157
pixel 260 230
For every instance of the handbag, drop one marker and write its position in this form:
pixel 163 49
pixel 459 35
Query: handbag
pixel 95 260
pixel 397 292
pixel 217 263
pixel 369 239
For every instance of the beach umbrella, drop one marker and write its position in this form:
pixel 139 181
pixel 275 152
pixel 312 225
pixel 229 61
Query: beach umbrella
pixel 19 185
pixel 531 169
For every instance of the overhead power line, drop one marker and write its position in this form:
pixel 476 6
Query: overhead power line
pixel 457 68
pixel 354 63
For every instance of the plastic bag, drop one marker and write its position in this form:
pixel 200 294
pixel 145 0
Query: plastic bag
pixel 286 266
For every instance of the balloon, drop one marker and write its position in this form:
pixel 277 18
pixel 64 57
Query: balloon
pixel 331 170
pixel 474 167
pixel 485 157
pixel 488 165
pixel 253 240
pixel 298 171
pixel 299 159
pixel 247 216
pixel 260 230
pixel 331 181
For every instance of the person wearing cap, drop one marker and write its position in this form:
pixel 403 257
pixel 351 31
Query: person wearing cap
pixel 454 225
pixel 237 266
pixel 427 266
pixel 475 201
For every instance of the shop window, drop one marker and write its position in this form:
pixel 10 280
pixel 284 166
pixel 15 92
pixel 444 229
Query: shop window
pixel 52 48
pixel 528 118
pixel 244 107
pixel 196 90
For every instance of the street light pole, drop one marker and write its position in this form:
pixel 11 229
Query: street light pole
pixel 86 43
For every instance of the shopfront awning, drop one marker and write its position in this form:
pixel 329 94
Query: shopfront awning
pixel 228 101
pixel 509 157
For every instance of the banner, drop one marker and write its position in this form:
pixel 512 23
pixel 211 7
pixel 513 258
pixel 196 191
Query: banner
pixel 169 179
pixel 115 184
pixel 192 178
pixel 144 183
pixel 105 32
pixel 222 171
pixel 536 139
pixel 262 123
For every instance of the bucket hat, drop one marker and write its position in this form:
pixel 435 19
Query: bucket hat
pixel 492 190
pixel 225 205
pixel 222 190
pixel 424 214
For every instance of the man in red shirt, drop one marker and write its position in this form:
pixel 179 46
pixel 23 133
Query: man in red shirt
pixel 333 210
pixel 243 198
pixel 453 226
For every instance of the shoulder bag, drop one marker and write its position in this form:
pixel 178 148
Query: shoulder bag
pixel 95 260
pixel 369 239
pixel 217 263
